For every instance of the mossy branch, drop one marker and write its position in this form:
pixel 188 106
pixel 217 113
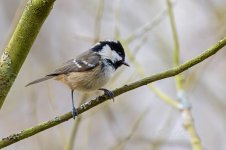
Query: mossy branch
pixel 20 43
pixel 86 106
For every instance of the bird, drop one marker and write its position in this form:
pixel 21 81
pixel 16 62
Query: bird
pixel 90 70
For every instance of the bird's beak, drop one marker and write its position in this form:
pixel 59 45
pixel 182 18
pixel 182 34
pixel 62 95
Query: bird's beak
pixel 125 63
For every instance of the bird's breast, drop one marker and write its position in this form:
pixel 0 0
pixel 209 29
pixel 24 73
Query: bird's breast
pixel 89 80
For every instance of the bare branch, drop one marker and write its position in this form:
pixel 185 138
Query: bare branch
pixel 182 95
pixel 86 106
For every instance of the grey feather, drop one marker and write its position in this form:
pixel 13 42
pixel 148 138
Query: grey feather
pixel 40 80
pixel 91 58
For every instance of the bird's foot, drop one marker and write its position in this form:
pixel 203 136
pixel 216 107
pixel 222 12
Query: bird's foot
pixel 108 93
pixel 74 112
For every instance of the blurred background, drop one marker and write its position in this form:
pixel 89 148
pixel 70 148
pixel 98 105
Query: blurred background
pixel 138 119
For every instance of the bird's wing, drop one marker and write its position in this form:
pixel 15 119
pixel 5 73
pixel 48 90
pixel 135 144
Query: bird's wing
pixel 84 62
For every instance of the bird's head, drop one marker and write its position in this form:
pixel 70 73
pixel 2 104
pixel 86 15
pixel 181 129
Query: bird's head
pixel 111 51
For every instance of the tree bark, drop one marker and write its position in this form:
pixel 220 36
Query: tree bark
pixel 27 29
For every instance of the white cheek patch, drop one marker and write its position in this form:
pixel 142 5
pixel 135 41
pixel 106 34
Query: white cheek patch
pixel 116 56
pixel 108 53
pixel 77 64
pixel 105 52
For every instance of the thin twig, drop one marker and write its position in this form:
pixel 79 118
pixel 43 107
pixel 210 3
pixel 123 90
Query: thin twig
pixel 139 69
pixel 84 37
pixel 164 131
pixel 99 15
pixel 84 107
pixel 147 27
pixel 182 95
pixel 117 17
pixel 176 52
pixel 122 142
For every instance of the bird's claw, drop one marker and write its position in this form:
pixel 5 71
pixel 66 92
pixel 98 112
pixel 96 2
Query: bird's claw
pixel 108 93
pixel 74 112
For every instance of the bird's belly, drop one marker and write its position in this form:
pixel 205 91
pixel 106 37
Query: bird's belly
pixel 93 84
pixel 87 81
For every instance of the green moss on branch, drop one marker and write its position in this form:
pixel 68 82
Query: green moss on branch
pixel 20 43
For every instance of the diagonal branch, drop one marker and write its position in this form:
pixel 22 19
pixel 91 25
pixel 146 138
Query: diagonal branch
pixel 21 41
pixel 86 106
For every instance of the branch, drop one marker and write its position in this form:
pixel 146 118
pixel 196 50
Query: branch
pixel 186 114
pixel 98 19
pixel 21 41
pixel 86 106
pixel 139 69
pixel 121 144
pixel 74 131
pixel 176 52
pixel 147 27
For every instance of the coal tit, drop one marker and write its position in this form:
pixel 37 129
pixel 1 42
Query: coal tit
pixel 91 70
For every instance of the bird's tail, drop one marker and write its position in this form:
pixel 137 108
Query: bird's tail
pixel 39 80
